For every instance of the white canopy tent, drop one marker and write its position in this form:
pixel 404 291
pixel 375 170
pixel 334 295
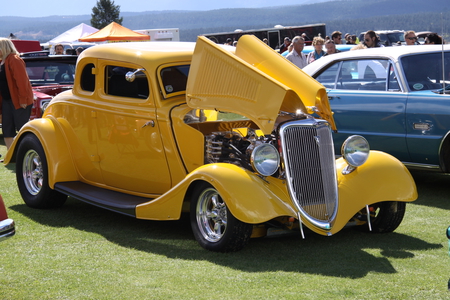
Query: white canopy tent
pixel 72 35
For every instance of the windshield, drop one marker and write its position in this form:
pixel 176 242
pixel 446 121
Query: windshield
pixel 50 72
pixel 425 71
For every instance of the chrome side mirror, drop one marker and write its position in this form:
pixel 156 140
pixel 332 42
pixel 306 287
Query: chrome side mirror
pixel 131 76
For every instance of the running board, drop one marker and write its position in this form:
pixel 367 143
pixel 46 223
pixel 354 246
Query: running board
pixel 111 200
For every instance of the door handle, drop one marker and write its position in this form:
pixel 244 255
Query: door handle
pixel 151 123
pixel 333 97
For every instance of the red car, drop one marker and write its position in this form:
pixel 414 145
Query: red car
pixel 49 75
pixel 7 227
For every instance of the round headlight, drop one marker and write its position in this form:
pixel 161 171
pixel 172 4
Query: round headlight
pixel 265 159
pixel 355 150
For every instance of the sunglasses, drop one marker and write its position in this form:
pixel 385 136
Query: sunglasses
pixel 367 40
pixel 412 38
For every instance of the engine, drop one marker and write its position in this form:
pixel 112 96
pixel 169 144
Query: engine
pixel 233 147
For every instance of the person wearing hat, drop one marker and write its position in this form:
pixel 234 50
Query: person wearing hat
pixel 285 45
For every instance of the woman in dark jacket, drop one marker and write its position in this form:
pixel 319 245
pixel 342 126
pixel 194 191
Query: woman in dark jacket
pixel 16 94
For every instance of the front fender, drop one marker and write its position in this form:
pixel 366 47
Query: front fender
pixel 248 197
pixel 381 178
pixel 59 159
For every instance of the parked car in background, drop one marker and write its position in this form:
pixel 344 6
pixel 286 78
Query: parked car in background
pixel 151 130
pixel 395 98
pixel 49 75
pixel 388 37
pixel 24 46
pixel 421 35
pixel 7 226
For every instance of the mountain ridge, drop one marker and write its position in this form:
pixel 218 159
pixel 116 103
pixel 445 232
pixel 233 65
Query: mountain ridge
pixel 351 16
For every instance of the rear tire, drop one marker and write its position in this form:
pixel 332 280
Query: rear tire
pixel 32 175
pixel 213 225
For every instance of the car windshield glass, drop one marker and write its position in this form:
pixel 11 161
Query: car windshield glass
pixel 49 72
pixel 424 71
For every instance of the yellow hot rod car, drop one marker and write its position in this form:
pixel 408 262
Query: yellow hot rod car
pixel 239 137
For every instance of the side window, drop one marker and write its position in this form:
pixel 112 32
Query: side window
pixel 117 85
pixel 364 74
pixel 328 77
pixel 174 78
pixel 87 78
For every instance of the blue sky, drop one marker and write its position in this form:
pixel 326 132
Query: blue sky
pixel 36 8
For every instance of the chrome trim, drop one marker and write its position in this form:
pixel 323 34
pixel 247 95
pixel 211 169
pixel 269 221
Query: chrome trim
pixel 310 166
pixel 421 166
pixel 7 229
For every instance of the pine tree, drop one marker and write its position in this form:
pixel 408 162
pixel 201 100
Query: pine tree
pixel 104 13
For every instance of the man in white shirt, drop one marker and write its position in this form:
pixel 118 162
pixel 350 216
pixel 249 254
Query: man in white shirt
pixel 296 56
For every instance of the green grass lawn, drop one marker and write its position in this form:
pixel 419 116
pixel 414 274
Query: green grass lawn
pixel 84 252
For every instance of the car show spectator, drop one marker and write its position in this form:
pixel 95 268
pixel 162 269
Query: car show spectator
pixel 371 39
pixel 296 56
pixel 79 50
pixel 331 47
pixel 318 52
pixel 229 42
pixel 346 38
pixel 289 49
pixel 59 49
pixel 433 38
pixel 16 94
pixel 411 38
pixel 352 39
pixel 285 45
pixel 336 37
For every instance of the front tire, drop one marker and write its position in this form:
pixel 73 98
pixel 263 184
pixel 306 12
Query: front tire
pixel 32 175
pixel 387 216
pixel 214 226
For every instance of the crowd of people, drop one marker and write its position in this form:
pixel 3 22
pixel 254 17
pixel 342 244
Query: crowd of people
pixel 59 50
pixel 292 50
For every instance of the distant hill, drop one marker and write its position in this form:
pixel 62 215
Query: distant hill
pixel 351 16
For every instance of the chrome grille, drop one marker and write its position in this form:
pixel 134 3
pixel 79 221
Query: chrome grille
pixel 308 155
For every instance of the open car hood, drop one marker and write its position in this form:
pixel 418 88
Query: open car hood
pixel 255 81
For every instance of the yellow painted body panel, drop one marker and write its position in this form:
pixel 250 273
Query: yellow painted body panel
pixel 255 200
pixel 56 146
pixel 259 83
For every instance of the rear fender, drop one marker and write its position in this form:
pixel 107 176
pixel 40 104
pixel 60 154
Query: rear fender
pixel 59 159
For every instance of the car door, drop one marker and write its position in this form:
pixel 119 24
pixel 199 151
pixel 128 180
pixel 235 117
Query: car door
pixel 366 100
pixel 428 111
pixel 130 149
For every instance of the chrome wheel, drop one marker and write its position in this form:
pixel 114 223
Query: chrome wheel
pixel 211 215
pixel 214 226
pixel 32 172
pixel 32 175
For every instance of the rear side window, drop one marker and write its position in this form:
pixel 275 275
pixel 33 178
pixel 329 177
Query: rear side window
pixel 87 81
pixel 117 85
pixel 364 74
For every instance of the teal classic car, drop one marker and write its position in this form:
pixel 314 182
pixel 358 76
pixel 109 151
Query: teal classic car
pixel 398 98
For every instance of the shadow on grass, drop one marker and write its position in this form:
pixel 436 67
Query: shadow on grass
pixel 343 255
pixel 433 189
